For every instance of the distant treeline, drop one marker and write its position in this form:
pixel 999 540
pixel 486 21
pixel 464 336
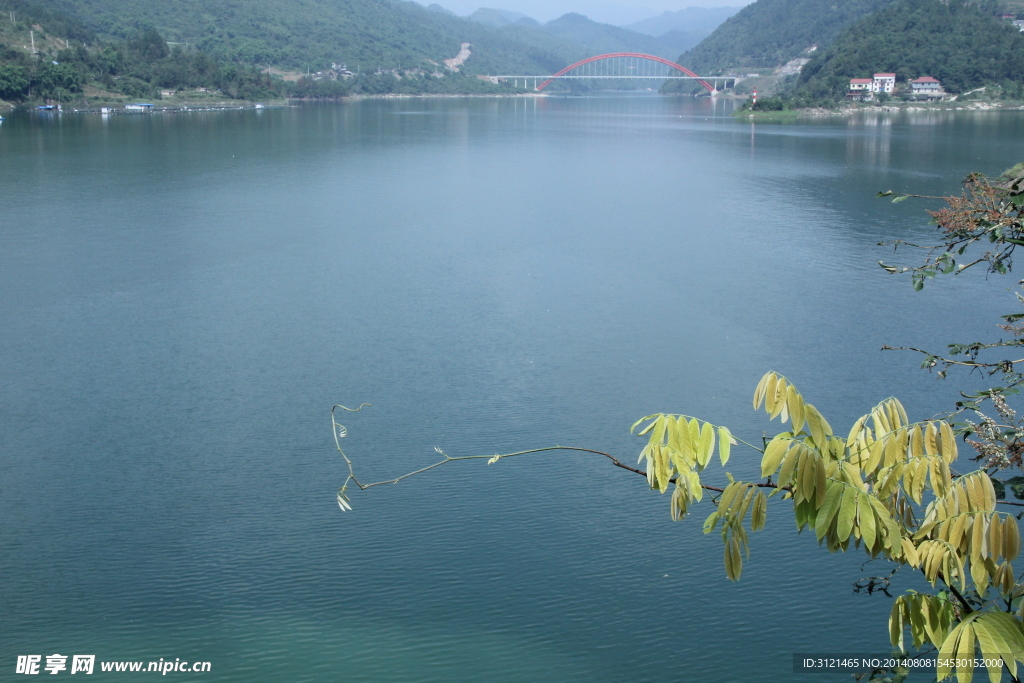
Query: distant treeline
pixel 402 83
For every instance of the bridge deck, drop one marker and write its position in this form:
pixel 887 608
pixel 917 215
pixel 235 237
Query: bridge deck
pixel 633 78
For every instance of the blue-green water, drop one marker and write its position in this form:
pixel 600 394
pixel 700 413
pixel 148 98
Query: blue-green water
pixel 184 297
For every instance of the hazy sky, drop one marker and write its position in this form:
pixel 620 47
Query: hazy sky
pixel 609 11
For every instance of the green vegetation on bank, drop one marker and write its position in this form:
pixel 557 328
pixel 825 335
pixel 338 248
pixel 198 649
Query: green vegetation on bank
pixel 963 44
pixel 766 105
pixel 774 108
pixel 399 83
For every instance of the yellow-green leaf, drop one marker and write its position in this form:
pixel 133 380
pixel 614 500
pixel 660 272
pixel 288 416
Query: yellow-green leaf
pixel 725 441
pixel 773 455
pixel 847 515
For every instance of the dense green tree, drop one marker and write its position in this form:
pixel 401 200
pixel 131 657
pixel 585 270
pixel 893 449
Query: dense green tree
pixel 149 46
pixel 14 82
pixel 53 81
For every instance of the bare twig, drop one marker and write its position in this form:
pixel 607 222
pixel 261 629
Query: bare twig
pixel 340 432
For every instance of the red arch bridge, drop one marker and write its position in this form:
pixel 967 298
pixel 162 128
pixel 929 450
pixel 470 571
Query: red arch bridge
pixel 621 66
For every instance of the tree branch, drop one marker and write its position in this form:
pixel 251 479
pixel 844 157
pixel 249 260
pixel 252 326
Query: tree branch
pixel 954 591
pixel 970 364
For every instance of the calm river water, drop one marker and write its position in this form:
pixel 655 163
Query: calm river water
pixel 185 297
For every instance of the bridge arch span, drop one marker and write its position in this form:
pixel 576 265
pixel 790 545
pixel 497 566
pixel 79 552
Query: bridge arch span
pixel 639 55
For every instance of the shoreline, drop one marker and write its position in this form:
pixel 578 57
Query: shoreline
pixel 118 108
pixel 892 108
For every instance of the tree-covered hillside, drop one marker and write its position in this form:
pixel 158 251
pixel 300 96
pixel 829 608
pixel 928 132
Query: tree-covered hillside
pixel 48 57
pixel 366 35
pixel 64 71
pixel 769 33
pixel 964 45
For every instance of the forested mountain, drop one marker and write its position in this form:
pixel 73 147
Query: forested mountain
pixel 366 35
pixel 964 45
pixel 45 54
pixel 769 33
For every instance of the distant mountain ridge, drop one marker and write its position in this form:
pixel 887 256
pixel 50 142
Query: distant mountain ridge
pixel 594 37
pixel 434 7
pixel 499 17
pixel 692 20
pixel 604 38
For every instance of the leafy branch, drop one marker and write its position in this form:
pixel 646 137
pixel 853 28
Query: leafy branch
pixel 868 491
